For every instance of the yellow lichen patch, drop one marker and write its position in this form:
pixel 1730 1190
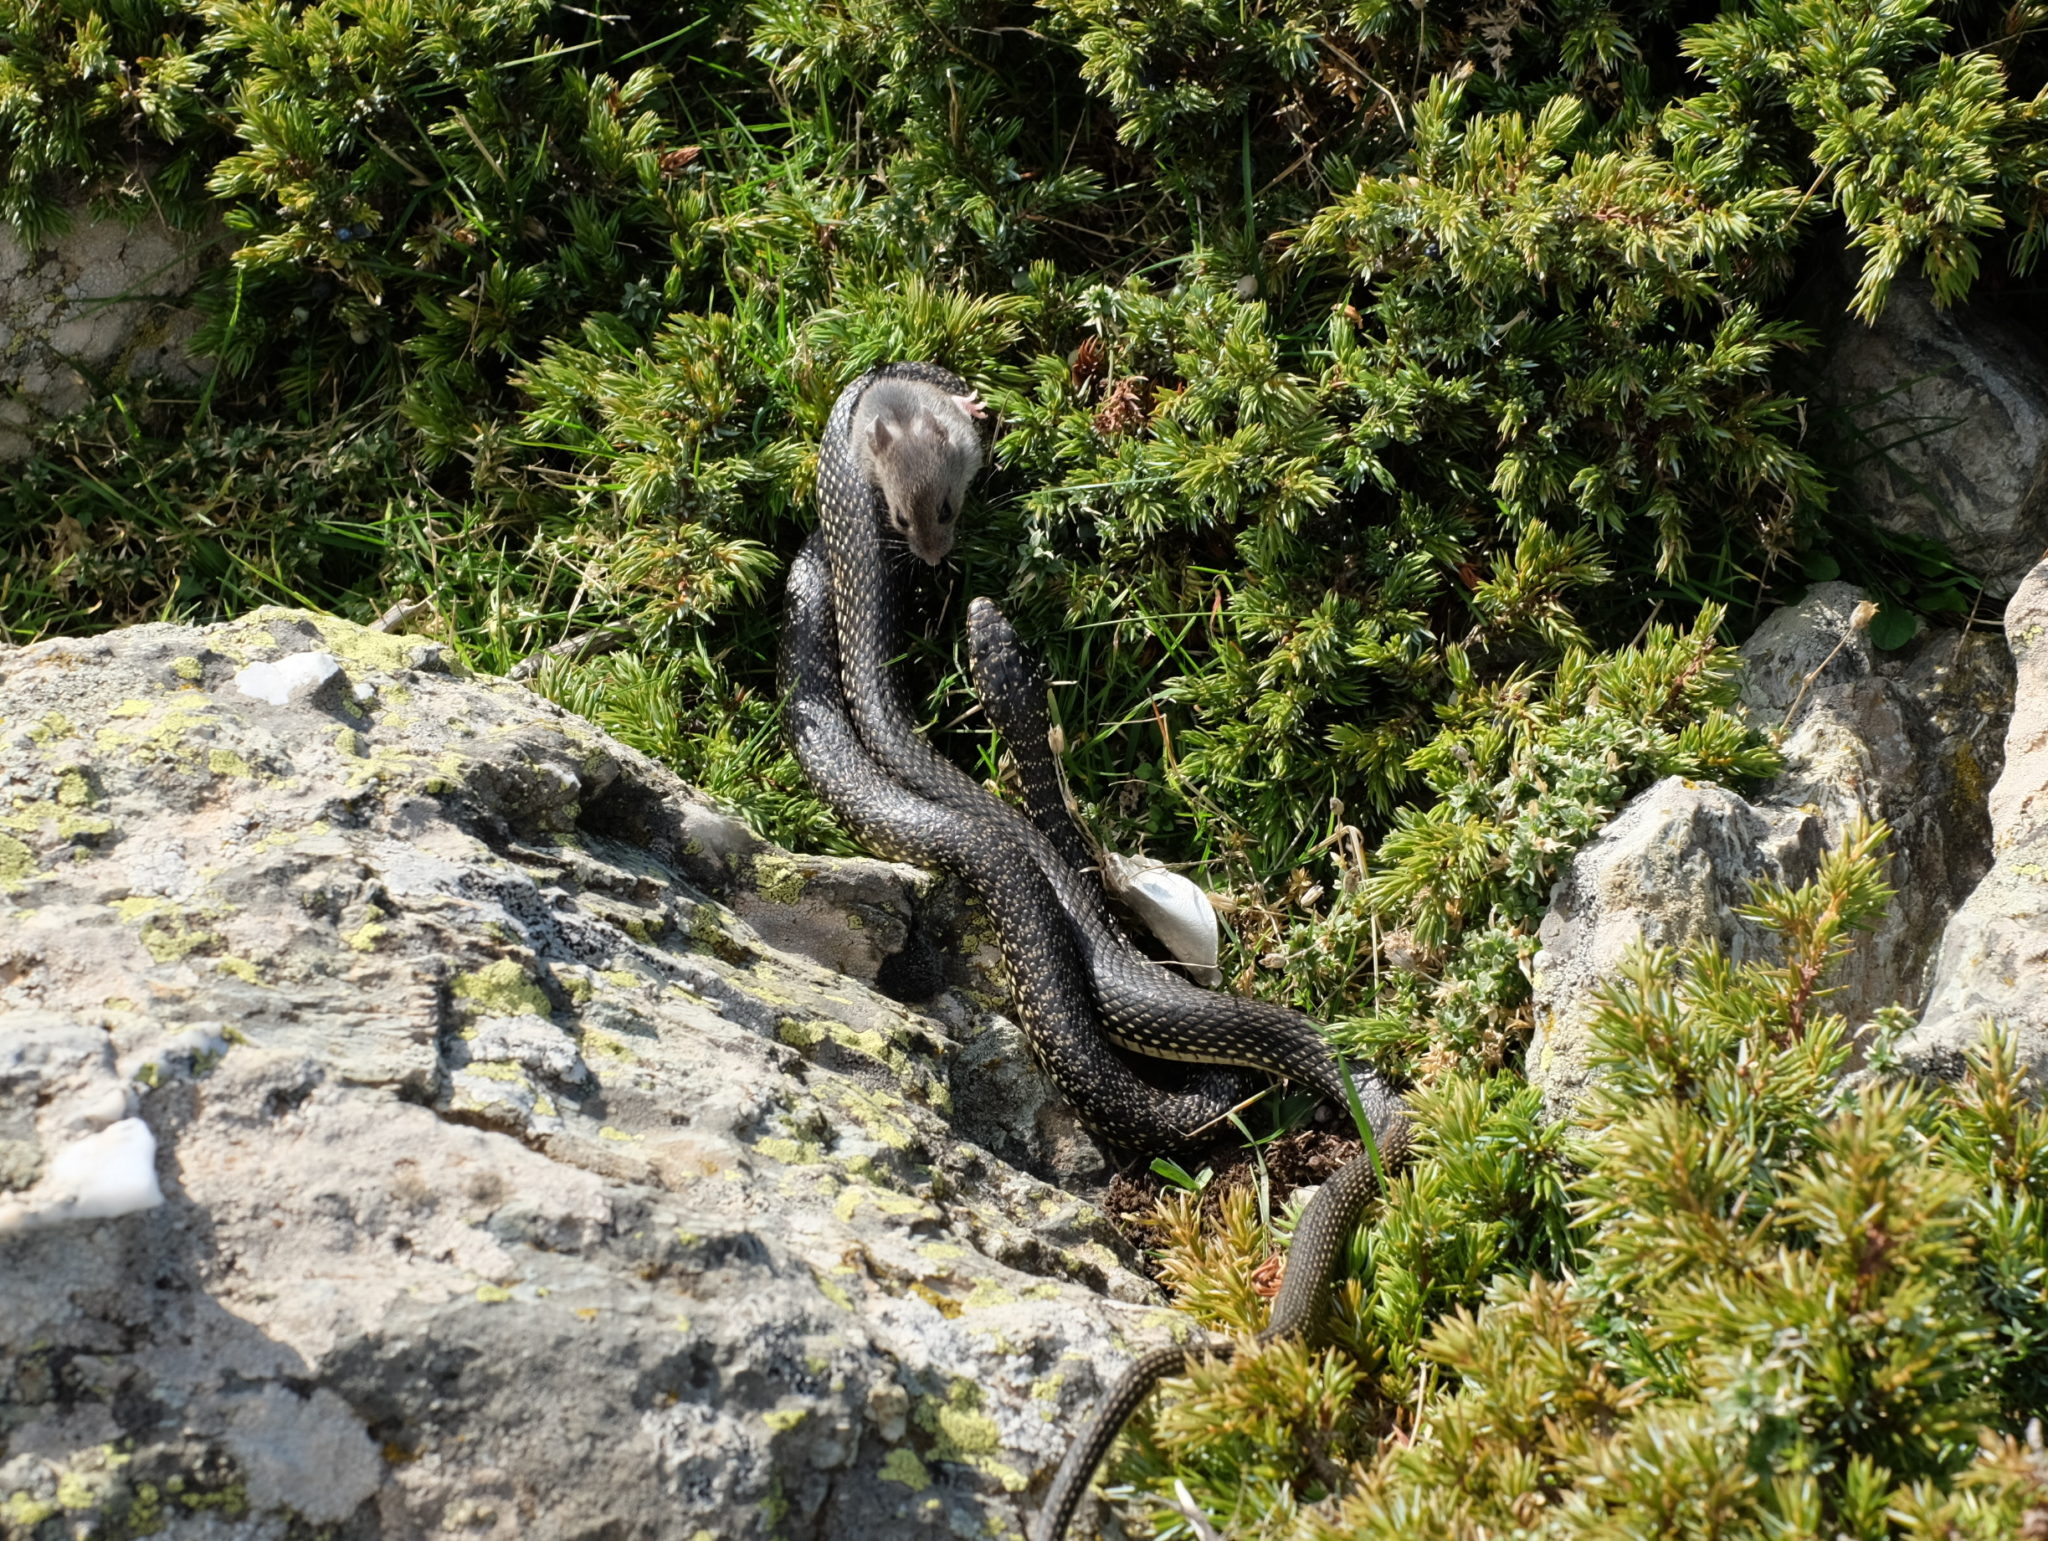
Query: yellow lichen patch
pixel 74 788
pixel 868 1041
pixel 781 1419
pixel 575 984
pixel 166 738
pixel 856 1194
pixel 986 1293
pixel 870 1110
pixel 495 1070
pixel 963 1432
pixel 902 1465
pixel 225 762
pixel 349 742
pixel 366 936
pixel 189 669
pixel 604 1045
pixel 241 968
pixel 352 644
pixel 945 1305
pixel 52 815
pixel 132 707
pixel 790 1152
pixel 447 775
pixel 17 863
pixel 170 937
pixel 802 1034
pixel 492 1294
pixel 502 989
pixel 607 1132
pixel 625 979
pixel 22 1514
pixel 778 879
pixel 51 727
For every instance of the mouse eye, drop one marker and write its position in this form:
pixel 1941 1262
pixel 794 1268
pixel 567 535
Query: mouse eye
pixel 948 513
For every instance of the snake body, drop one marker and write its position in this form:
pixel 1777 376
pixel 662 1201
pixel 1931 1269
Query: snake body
pixel 1057 1009
pixel 1083 990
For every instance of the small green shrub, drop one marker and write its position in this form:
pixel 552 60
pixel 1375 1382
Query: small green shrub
pixel 1768 1301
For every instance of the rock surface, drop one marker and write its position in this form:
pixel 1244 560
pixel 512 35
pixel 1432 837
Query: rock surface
pixel 1913 737
pixel 1943 431
pixel 1667 871
pixel 1993 963
pixel 99 301
pixel 398 1135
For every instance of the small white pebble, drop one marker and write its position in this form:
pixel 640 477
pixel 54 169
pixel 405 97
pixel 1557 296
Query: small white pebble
pixel 289 679
pixel 103 1175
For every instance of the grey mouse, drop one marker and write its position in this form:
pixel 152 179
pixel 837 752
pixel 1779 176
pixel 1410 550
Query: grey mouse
pixel 918 443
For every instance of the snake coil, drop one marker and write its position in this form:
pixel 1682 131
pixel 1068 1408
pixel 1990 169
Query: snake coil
pixel 1092 1007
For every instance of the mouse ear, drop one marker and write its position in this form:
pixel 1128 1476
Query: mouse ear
pixel 878 433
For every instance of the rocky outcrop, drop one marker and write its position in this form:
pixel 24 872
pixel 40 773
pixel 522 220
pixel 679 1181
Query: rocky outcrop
pixel 1912 737
pixel 1940 422
pixel 1667 871
pixel 400 1133
pixel 102 300
pixel 1993 963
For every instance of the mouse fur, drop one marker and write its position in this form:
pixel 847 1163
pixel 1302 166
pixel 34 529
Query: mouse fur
pixel 918 443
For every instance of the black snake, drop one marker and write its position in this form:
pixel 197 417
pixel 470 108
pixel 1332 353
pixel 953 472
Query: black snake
pixel 1081 987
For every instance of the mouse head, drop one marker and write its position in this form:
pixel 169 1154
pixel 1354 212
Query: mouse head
pixel 923 463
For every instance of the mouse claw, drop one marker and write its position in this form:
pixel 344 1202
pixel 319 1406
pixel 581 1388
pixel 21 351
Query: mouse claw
pixel 972 405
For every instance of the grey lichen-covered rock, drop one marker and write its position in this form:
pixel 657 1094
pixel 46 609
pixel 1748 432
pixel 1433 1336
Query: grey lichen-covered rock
pixel 101 300
pixel 1942 418
pixel 1914 737
pixel 1993 962
pixel 1668 871
pixel 398 1135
